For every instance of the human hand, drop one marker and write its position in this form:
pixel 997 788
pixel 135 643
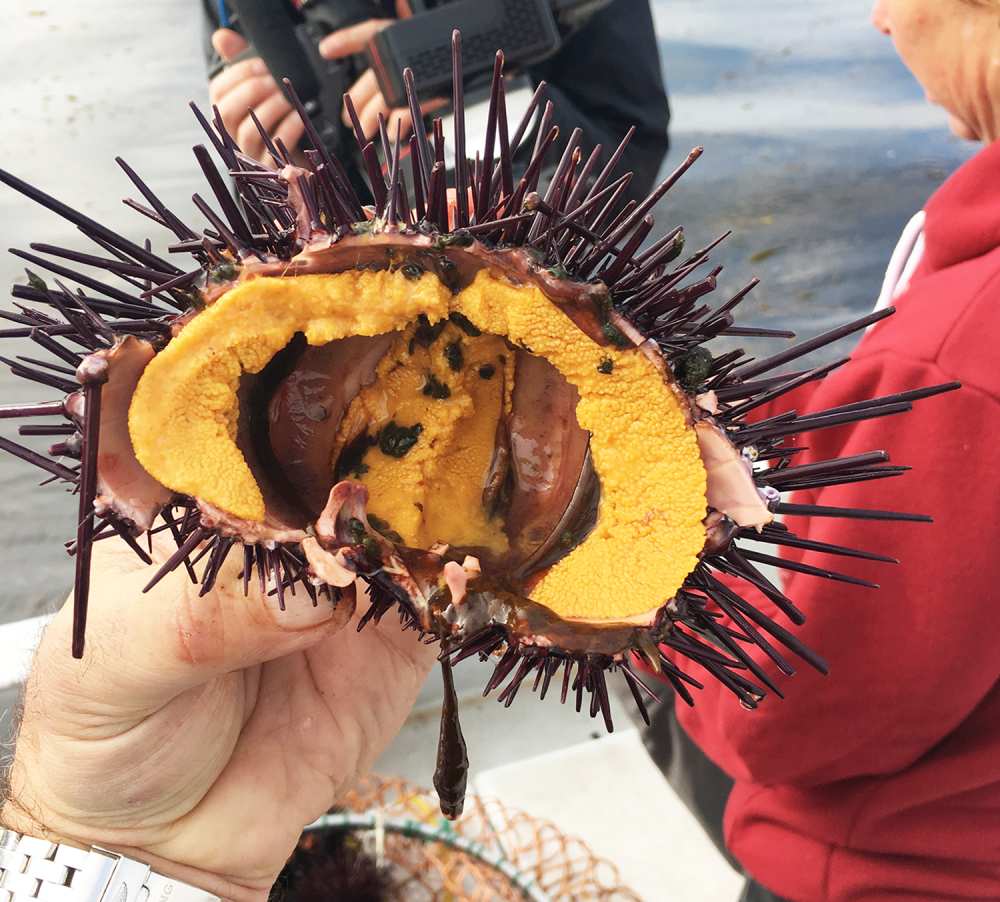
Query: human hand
pixel 364 93
pixel 201 734
pixel 249 85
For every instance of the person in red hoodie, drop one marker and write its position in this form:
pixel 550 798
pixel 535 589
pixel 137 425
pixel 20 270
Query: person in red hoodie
pixel 881 781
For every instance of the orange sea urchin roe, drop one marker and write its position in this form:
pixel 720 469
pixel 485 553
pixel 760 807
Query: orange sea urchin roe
pixel 183 416
pixel 649 528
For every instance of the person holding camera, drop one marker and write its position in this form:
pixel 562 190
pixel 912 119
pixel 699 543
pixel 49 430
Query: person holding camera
pixel 881 781
pixel 604 78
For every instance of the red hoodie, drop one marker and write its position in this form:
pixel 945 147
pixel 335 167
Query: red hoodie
pixel 882 780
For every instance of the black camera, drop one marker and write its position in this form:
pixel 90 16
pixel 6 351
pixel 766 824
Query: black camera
pixel 527 31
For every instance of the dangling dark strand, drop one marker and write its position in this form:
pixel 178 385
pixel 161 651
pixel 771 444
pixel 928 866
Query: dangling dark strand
pixel 452 772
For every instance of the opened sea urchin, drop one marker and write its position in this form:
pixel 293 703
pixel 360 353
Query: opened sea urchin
pixel 498 413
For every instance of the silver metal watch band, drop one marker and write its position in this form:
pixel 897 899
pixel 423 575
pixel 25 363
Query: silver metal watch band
pixel 32 868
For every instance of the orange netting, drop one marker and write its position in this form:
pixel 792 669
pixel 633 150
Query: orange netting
pixel 491 853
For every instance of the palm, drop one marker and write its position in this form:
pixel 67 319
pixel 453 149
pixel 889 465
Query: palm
pixel 313 721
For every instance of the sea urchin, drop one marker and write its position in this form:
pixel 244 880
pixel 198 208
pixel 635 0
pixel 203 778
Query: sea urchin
pixel 498 412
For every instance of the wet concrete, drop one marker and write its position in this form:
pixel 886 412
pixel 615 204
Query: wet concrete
pixel 819 148
pixel 82 83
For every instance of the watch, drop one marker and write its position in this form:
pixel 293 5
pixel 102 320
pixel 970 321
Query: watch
pixel 32 868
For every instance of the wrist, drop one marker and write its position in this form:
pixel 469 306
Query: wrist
pixel 13 817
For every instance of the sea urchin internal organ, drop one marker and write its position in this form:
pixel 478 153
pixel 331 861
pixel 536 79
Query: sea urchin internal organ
pixel 499 413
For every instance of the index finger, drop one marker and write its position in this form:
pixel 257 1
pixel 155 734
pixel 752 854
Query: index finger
pixel 235 75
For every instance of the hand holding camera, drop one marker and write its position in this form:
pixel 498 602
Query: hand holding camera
pixel 247 84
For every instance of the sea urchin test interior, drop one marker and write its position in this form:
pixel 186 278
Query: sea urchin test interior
pixel 453 435
pixel 497 412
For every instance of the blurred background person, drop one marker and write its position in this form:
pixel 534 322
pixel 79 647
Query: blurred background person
pixel 881 781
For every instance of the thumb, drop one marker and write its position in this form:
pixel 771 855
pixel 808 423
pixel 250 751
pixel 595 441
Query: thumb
pixel 145 649
pixel 228 43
